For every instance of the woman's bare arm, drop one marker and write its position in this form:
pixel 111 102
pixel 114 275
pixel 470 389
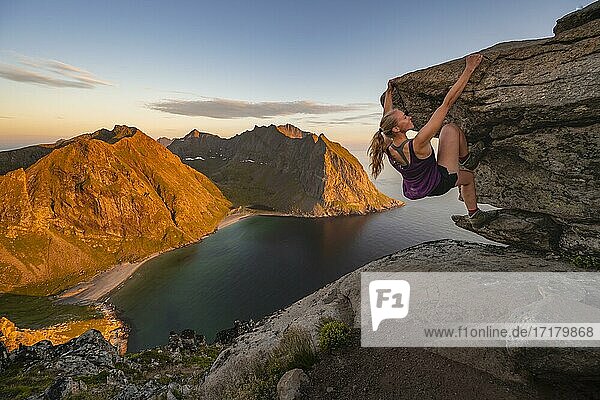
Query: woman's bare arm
pixel 421 141
pixel 387 101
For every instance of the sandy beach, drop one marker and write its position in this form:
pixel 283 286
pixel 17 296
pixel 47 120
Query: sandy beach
pixel 97 288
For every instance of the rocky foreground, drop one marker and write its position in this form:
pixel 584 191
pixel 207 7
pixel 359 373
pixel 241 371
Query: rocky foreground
pixel 189 368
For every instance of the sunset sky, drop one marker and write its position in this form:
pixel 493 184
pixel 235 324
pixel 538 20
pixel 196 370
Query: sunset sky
pixel 69 67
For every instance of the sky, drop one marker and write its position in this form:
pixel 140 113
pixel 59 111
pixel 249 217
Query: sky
pixel 69 67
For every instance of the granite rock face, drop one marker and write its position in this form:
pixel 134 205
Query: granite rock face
pixel 90 360
pixel 535 104
pixel 285 169
pixel 534 231
pixel 97 200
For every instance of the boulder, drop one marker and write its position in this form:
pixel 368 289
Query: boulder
pixel 64 387
pixel 188 340
pixel 535 104
pixel 536 231
pixel 291 385
pixel 87 354
pixel 227 336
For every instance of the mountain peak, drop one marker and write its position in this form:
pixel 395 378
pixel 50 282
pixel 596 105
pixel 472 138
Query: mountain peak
pixel 292 131
pixel 168 205
pixel 118 132
pixel 195 133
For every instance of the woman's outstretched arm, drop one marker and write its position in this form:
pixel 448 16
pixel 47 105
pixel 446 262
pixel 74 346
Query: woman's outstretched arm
pixel 421 141
pixel 387 100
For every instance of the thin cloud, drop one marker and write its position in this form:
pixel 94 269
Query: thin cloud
pixel 230 109
pixel 376 105
pixel 341 123
pixel 362 119
pixel 50 73
pixel 370 116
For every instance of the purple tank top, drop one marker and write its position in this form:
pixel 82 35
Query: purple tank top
pixel 420 177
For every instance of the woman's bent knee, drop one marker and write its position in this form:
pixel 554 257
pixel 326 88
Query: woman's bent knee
pixel 450 129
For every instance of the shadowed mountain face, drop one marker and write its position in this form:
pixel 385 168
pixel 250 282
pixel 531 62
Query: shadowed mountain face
pixel 285 169
pixel 96 200
pixel 536 106
pixel 165 141
pixel 24 157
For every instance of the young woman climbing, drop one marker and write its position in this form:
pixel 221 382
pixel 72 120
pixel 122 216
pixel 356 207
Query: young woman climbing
pixel 414 158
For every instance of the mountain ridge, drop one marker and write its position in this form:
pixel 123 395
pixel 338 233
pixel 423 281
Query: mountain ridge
pixel 99 200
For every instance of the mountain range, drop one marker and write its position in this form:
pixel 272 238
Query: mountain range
pixel 285 169
pixel 79 206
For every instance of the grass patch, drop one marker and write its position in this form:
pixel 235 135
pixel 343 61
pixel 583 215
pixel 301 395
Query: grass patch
pixel 296 350
pixel 127 370
pixel 333 334
pixel 139 367
pixel 34 312
pixel 17 384
pixel 148 357
pixel 98 379
pixel 258 377
pixel 203 360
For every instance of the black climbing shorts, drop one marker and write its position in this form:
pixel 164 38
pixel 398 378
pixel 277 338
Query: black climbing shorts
pixel 447 182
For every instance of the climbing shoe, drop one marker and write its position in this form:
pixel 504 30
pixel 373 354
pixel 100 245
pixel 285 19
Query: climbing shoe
pixel 480 218
pixel 475 153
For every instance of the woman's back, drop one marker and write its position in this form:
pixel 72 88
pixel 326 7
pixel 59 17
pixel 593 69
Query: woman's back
pixel 420 176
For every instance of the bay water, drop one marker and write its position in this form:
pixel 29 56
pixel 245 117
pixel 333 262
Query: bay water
pixel 264 263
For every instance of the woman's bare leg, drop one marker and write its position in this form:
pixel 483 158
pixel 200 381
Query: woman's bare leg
pixel 452 144
pixel 466 180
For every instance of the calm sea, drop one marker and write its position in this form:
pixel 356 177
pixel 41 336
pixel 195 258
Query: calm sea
pixel 261 264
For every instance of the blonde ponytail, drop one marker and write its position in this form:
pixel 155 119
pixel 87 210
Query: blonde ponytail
pixel 380 142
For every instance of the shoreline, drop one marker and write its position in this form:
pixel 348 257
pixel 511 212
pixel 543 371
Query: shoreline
pixel 99 287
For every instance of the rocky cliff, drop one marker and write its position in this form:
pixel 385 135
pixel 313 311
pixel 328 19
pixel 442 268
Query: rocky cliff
pixel 535 104
pixel 97 200
pixel 285 169
pixel 89 367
